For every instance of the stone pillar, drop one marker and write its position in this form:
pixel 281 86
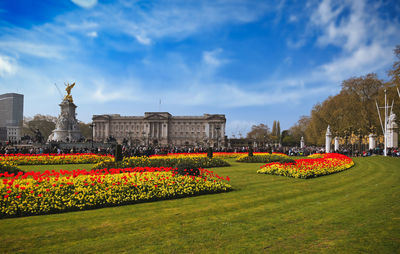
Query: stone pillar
pixel 392 137
pixel 107 129
pixel 336 144
pixel 207 130
pixel 302 142
pixel 328 140
pixel 372 143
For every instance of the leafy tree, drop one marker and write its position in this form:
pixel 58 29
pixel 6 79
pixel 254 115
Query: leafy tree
pixel 395 72
pixel 260 133
pixel 298 130
pixel 278 130
pixel 85 129
pixel 44 123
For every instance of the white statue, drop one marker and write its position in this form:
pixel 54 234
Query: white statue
pixel 392 132
pixel 328 140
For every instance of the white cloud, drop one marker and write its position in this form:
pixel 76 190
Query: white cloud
pixel 176 21
pixel 365 39
pixel 100 95
pixel 212 57
pixel 92 34
pixel 38 49
pixel 7 66
pixel 143 39
pixel 85 3
pixel 360 62
pixel 293 18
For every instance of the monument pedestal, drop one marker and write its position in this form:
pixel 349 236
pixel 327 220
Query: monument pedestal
pixel 67 127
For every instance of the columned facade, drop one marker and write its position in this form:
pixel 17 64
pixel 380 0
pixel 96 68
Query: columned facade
pixel 161 128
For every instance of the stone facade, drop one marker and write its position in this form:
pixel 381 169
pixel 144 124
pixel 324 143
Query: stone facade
pixel 67 127
pixel 161 128
pixel 11 116
pixel 392 135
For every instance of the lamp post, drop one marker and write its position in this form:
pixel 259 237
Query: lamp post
pixel 92 126
pixel 217 129
pixel 144 142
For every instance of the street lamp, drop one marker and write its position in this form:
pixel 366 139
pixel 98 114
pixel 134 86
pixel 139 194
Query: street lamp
pixel 144 142
pixel 92 126
pixel 217 129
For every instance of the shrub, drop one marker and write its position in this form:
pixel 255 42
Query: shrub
pixel 118 153
pixel 54 192
pixel 308 168
pixel 110 163
pixel 187 168
pixel 51 159
pixel 164 161
pixel 250 151
pixel 10 167
pixel 265 158
pixel 210 152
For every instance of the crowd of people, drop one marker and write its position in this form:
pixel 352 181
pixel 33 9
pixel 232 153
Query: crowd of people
pixel 129 151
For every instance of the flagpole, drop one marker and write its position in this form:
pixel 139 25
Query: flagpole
pixel 385 136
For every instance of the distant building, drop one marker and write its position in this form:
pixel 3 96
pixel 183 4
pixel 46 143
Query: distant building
pixel 161 128
pixel 11 116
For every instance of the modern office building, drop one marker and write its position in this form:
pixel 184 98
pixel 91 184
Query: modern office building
pixel 11 116
pixel 161 128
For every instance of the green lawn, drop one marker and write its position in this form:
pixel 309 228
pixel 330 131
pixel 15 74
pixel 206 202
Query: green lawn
pixel 354 211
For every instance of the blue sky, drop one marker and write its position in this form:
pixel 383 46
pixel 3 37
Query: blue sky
pixel 254 61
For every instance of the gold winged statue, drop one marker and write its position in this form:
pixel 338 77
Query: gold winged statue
pixel 68 88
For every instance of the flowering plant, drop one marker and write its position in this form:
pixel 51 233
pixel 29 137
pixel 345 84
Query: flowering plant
pixel 43 159
pixel 308 168
pixel 53 191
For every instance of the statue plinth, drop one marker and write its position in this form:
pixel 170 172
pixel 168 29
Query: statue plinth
pixel 67 127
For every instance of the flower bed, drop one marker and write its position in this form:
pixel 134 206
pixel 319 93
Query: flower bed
pixel 163 161
pixel 309 168
pixel 223 155
pixel 48 159
pixel 265 158
pixel 36 193
pixel 9 166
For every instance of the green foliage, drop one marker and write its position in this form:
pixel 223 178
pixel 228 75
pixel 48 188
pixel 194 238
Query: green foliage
pixel 265 159
pixel 109 163
pixel 250 154
pixel 187 168
pixel 10 167
pixel 197 162
pixel 118 153
pixel 210 152
pixel 45 124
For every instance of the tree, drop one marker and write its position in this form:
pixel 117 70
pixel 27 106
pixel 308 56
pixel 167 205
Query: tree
pixel 273 132
pixel 260 133
pixel 298 130
pixel 395 72
pixel 44 123
pixel 85 129
pixel 278 130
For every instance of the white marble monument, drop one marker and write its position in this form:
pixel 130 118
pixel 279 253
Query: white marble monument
pixel 372 142
pixel 392 132
pixel 328 140
pixel 302 142
pixel 336 144
pixel 67 127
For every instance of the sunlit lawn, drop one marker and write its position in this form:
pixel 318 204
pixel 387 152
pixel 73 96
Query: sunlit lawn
pixel 354 211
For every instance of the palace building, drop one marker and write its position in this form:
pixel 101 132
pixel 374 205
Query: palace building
pixel 161 128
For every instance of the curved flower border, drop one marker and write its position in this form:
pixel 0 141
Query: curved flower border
pixel 35 193
pixel 319 165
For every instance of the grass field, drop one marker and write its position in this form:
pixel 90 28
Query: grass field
pixel 354 211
